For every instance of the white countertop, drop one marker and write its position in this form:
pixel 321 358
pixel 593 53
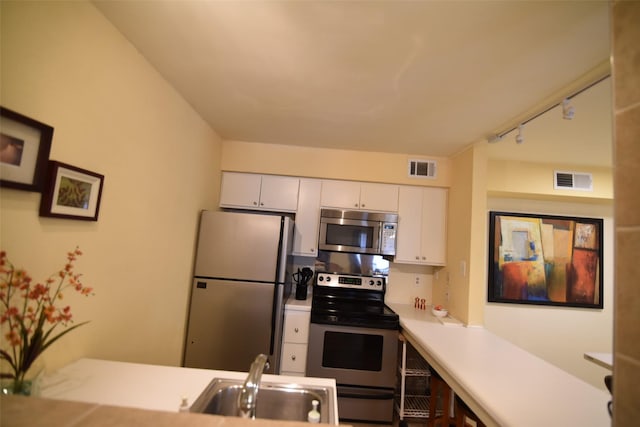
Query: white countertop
pixel 145 386
pixel 602 359
pixel 298 305
pixel 502 383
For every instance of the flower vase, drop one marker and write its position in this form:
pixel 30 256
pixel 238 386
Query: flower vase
pixel 28 385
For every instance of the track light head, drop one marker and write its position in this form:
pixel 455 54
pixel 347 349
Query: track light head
pixel 568 111
pixel 519 136
pixel 492 139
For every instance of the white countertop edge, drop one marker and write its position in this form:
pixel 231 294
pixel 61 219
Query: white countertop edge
pixel 145 386
pixel 604 360
pixel 293 304
pixel 498 377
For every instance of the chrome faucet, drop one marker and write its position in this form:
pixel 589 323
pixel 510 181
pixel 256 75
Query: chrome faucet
pixel 249 393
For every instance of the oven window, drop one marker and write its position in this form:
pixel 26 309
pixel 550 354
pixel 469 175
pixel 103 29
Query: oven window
pixel 352 351
pixel 349 235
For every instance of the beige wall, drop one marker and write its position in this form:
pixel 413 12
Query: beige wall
pixel 451 288
pixel 561 336
pixel 328 163
pixel 460 286
pixel 626 67
pixel 65 65
pixel 509 178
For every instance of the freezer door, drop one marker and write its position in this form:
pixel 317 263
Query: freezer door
pixel 239 245
pixel 230 324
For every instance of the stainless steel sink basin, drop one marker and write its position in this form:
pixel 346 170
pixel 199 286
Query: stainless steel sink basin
pixel 275 401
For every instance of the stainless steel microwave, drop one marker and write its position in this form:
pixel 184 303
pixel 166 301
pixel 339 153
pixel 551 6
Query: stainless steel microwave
pixel 358 232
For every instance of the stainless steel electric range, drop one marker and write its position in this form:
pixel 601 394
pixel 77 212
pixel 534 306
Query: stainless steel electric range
pixel 353 337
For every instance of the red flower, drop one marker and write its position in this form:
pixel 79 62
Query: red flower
pixel 28 314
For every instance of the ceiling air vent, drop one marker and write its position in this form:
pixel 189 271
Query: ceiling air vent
pixel 422 168
pixel 573 181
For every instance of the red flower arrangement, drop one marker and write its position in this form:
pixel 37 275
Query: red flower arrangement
pixel 29 315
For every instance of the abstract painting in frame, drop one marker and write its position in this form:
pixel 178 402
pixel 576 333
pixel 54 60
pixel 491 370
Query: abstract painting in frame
pixel 25 144
pixel 72 193
pixel 545 260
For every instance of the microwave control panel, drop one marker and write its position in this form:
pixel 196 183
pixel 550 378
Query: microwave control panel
pixel 388 238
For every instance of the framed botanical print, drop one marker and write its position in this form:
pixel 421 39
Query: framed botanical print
pixel 25 144
pixel 72 193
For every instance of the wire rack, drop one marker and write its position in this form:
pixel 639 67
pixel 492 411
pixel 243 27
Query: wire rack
pixel 413 398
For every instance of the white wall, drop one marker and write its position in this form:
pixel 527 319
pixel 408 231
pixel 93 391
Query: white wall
pixel 560 335
pixel 64 64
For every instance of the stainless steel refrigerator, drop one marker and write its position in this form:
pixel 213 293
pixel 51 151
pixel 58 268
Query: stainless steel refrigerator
pixel 241 279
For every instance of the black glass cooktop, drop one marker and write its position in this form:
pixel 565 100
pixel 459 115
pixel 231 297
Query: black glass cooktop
pixel 352 308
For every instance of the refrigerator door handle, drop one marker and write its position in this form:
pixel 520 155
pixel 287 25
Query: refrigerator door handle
pixel 277 318
pixel 276 289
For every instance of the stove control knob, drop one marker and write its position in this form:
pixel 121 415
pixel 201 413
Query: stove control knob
pixel 371 283
pixel 328 278
pixel 379 283
pixel 320 278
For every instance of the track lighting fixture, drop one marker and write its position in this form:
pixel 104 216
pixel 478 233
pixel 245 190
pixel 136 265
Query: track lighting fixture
pixel 567 110
pixel 519 136
pixel 494 138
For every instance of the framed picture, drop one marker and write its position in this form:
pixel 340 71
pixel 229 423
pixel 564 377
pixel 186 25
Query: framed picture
pixel 545 260
pixel 71 192
pixel 24 151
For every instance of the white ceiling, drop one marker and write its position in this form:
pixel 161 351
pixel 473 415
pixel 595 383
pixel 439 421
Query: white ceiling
pixel 417 77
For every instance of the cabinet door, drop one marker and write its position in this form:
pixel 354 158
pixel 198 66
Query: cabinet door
pixel 240 190
pixel 434 225
pixel 409 240
pixel 279 193
pixel 379 197
pixel 307 223
pixel 294 358
pixel 340 194
pixel 296 326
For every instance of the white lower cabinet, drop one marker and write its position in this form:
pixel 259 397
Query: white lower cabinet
pixel 422 226
pixel 295 340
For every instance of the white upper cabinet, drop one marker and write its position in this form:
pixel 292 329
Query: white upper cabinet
pixel 307 223
pixel 240 189
pixel 279 192
pixel 422 226
pixel 379 197
pixel 357 195
pixel 340 194
pixel 262 192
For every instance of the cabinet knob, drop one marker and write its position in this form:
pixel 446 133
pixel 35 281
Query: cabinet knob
pixel 296 330
pixel 313 250
pixel 261 204
pixel 417 258
pixel 293 357
pixel 255 203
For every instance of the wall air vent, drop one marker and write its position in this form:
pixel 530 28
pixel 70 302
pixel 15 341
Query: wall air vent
pixel 572 181
pixel 422 168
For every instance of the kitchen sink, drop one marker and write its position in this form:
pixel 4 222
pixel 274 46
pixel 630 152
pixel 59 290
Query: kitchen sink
pixel 275 401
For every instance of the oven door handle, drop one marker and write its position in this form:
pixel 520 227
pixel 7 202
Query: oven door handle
pixel 377 395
